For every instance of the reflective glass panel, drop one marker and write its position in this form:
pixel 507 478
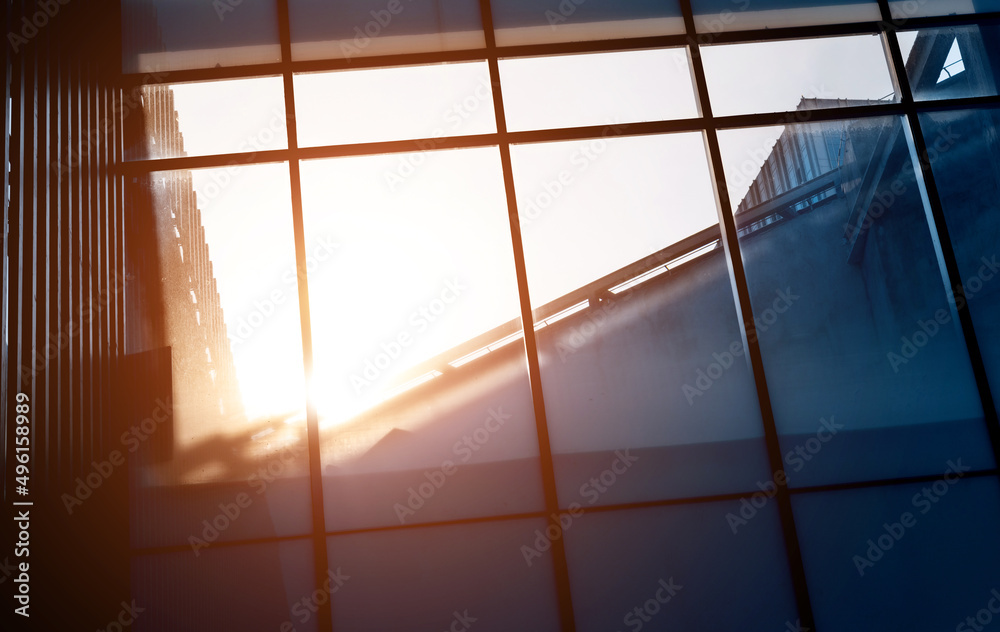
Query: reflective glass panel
pixel 628 574
pixel 881 549
pixel 355 28
pixel 717 16
pixel 644 373
pixel 859 340
pixel 443 578
pixel 231 329
pixel 786 75
pixel 965 159
pixel 356 106
pixel 420 374
pixel 197 119
pixel 903 9
pixel 597 89
pixel 953 62
pixel 519 22
pixel 163 35
pixel 245 587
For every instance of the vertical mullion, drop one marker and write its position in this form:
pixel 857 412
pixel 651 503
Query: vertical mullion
pixel 107 289
pixel 320 555
pixel 83 289
pixel 93 254
pixel 29 215
pixel 560 563
pixel 951 275
pixel 50 335
pixel 118 232
pixel 97 256
pixel 64 264
pixel 86 259
pixel 75 264
pixel 744 309
pixel 40 272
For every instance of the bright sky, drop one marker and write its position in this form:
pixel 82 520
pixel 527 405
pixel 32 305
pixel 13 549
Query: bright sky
pixel 390 236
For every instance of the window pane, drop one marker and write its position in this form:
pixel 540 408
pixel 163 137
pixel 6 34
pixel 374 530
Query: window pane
pixel 436 576
pixel 229 309
pixel 951 62
pixel 882 550
pixel 359 106
pixel 787 75
pixel 966 163
pixel 629 317
pixel 321 30
pixel 903 9
pixel 648 393
pixel 852 316
pixel 164 35
pixel 423 279
pixel 588 208
pixel 197 119
pixel 521 22
pixel 250 587
pixel 577 90
pixel 716 16
pixel 624 565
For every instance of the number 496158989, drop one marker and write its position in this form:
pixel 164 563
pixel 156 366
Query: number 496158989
pixel 22 441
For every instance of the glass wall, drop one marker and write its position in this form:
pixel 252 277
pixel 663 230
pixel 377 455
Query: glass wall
pixel 529 316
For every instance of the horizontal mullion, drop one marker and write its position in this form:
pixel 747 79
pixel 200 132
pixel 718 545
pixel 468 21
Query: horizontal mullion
pixel 399 59
pixel 734 36
pixel 220 73
pixel 815 31
pixel 593 46
pixel 552 135
pixel 792 117
pixel 944 105
pixel 308 153
pixel 183 548
pixel 398 146
pixel 140 167
pixel 585 132
pixel 940 21
pixel 749 36
pixel 887 482
pixel 646 504
pixel 389 61
pixel 866 484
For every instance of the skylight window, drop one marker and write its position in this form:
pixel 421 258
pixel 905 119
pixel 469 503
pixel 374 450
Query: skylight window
pixel 953 64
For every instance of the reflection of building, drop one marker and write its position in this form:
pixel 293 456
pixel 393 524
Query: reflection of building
pixel 803 168
pixel 799 156
pixel 206 390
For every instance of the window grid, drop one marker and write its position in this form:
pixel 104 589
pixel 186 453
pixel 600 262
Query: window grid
pixel 707 123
